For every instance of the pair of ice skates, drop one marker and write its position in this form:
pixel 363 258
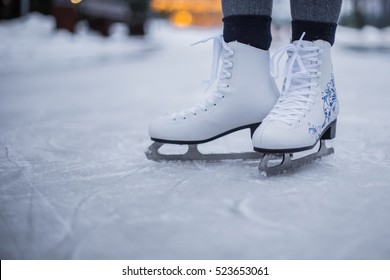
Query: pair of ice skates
pixel 299 118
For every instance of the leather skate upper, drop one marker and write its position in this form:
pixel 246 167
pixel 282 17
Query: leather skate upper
pixel 244 95
pixel 308 102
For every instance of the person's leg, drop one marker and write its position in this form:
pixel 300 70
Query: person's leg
pixel 248 22
pixel 317 18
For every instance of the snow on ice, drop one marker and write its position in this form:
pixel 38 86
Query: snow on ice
pixel 75 183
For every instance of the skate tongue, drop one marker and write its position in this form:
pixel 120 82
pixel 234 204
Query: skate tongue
pixel 220 50
pixel 301 67
pixel 291 48
pixel 217 51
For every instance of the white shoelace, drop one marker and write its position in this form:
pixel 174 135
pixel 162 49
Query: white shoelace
pixel 220 50
pixel 302 65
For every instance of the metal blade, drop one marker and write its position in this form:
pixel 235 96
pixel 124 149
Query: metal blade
pixel 193 154
pixel 288 163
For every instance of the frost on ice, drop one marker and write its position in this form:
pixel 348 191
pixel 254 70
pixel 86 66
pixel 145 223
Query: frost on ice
pixel 75 183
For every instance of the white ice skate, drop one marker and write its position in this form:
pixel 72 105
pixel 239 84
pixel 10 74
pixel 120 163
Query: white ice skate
pixel 306 112
pixel 245 94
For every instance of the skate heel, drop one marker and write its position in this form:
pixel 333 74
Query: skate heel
pixel 253 128
pixel 330 133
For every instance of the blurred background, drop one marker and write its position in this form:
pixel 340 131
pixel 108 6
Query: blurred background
pixel 100 14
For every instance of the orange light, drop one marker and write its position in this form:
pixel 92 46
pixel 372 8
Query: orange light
pixel 181 18
pixel 76 1
pixel 190 12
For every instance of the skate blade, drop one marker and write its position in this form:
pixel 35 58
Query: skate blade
pixel 287 163
pixel 193 154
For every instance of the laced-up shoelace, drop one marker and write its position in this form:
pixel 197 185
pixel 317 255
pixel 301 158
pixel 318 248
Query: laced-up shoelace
pixel 302 65
pixel 220 50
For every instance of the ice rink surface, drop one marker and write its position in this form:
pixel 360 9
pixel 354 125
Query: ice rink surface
pixel 75 183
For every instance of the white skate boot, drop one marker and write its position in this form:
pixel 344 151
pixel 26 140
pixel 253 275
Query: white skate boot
pixel 245 94
pixel 306 111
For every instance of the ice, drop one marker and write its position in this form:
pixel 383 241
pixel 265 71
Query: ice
pixel 75 183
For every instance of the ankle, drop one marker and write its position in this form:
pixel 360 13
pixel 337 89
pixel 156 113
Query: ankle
pixel 253 30
pixel 314 30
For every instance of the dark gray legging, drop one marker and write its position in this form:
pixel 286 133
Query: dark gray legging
pixel 310 10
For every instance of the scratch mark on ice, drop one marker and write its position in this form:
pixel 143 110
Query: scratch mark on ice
pixel 243 209
pixel 13 236
pixel 27 168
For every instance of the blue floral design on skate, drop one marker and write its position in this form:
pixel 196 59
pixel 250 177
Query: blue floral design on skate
pixel 315 131
pixel 330 101
pixel 329 106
